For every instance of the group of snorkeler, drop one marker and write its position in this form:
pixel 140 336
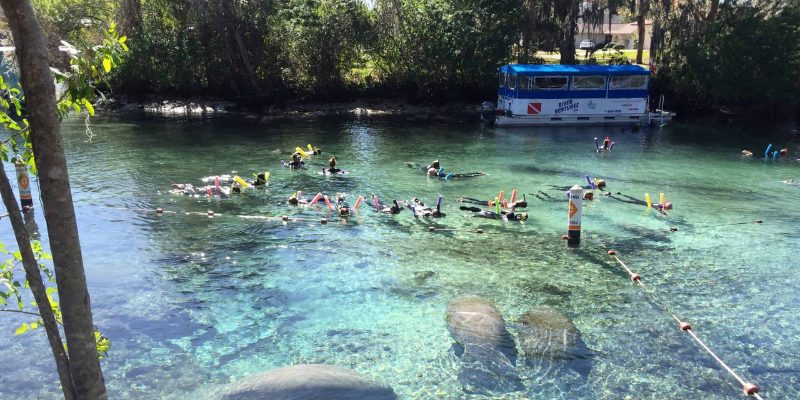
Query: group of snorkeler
pixel 767 154
pixel 235 185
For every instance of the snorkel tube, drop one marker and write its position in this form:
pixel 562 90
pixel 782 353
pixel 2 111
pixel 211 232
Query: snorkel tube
pixel 513 196
pixel 216 185
pixel 766 152
pixel 596 146
pixel 376 203
pixel 328 202
pixel 316 199
pixel 591 184
pixel 439 204
pixel 497 206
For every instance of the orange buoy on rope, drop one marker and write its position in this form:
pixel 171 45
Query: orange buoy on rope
pixel 612 252
pixel 685 326
pixel 635 277
pixel 750 388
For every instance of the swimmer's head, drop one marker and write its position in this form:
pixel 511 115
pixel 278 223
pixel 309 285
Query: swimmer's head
pixel 435 164
pixel 784 151
pixel 296 157
pixel 601 183
pixel 588 196
pixel 332 162
pixel 522 216
pixel 344 211
pixel 317 151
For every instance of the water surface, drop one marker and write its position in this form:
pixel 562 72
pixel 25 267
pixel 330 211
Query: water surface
pixel 191 302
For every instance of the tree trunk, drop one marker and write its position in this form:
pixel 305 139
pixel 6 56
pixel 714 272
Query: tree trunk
pixel 38 289
pixel 641 25
pixel 712 13
pixel 569 24
pixel 130 17
pixel 59 213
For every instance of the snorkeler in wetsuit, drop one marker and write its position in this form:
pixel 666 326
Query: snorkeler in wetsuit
pixel 505 215
pixel 420 210
pixel 297 199
pixel 490 203
pixel 395 208
pixel 332 167
pixel 342 207
pixel 297 162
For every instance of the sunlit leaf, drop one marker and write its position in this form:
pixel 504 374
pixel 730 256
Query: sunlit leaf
pixel 107 64
pixel 88 106
pixel 22 329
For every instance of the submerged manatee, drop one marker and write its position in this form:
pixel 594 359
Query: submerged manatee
pixel 307 381
pixel 551 341
pixel 487 350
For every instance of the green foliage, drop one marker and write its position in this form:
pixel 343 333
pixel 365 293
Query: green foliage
pixel 12 285
pixel 88 71
pixel 745 60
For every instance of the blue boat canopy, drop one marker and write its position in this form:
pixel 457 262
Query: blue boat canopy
pixel 559 69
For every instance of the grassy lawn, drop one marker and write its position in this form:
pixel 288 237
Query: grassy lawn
pixel 601 56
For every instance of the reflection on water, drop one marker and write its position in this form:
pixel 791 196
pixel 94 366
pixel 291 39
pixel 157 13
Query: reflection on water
pixel 192 302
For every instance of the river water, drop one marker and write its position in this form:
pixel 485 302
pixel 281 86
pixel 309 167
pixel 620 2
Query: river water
pixel 192 303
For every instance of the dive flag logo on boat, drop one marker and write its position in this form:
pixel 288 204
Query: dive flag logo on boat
pixel 534 108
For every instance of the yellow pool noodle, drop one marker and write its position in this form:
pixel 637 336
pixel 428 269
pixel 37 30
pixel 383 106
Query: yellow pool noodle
pixel 240 181
pixel 647 198
pixel 301 151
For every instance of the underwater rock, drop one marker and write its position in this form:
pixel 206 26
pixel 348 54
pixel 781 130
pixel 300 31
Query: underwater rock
pixel 308 381
pixel 486 348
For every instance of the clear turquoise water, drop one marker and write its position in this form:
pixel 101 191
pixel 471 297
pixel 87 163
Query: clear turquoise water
pixel 191 303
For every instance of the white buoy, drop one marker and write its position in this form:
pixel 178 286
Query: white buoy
pixel 574 215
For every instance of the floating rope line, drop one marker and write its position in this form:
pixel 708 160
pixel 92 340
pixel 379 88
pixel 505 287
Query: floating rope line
pixel 435 229
pixel 748 388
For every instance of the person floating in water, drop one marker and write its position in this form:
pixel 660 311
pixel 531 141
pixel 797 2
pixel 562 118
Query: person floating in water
pixel 297 162
pixel 490 203
pixel 607 145
pixel 420 210
pixel 435 170
pixel 342 207
pixel 395 208
pixel 504 215
pixel 332 168
pixel 297 199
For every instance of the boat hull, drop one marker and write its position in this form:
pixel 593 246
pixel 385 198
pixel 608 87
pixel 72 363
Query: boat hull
pixel 656 118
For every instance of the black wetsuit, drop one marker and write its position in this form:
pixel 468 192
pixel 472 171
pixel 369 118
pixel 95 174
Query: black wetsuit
pixel 394 209
pixel 419 210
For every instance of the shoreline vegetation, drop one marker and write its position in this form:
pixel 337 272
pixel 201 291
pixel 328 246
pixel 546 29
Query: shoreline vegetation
pixel 718 57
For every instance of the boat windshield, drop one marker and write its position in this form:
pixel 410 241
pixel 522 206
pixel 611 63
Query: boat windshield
pixel 550 82
pixel 628 82
pixel 592 82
